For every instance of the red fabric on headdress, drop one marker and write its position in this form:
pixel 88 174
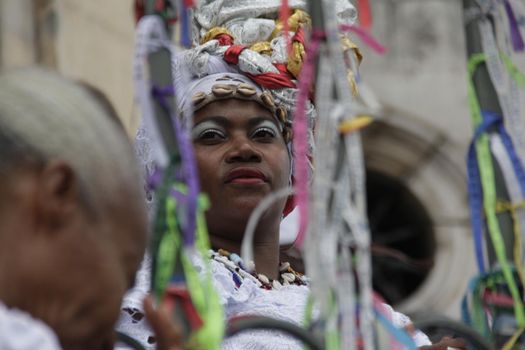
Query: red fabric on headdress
pixel 272 80
pixel 225 40
pixel 267 80
pixel 299 35
pixel 231 55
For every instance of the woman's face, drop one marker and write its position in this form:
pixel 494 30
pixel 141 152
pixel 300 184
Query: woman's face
pixel 242 157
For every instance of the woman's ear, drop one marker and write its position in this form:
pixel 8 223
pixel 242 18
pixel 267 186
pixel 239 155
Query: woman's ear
pixel 57 195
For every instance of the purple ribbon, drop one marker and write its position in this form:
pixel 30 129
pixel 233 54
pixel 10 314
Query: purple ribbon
pixel 189 168
pixel 515 34
pixel 154 180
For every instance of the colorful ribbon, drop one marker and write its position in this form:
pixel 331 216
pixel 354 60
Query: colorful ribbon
pixel 486 172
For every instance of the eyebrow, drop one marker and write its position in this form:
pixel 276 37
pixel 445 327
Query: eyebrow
pixel 222 121
pixel 258 120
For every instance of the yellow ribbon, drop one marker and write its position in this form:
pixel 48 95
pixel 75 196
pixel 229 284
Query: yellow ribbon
pixel 509 345
pixel 357 123
pixel 512 208
pixel 350 45
pixel 298 19
pixel 262 47
pixel 295 60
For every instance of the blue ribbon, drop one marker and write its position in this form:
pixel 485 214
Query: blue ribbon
pixel 399 333
pixel 517 164
pixel 490 119
pixel 475 191
pixel 185 37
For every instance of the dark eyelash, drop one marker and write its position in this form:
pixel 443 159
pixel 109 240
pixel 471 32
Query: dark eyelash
pixel 210 131
pixel 269 130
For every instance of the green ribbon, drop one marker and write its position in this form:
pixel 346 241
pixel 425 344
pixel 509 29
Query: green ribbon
pixel 486 170
pixel 174 258
pixel 514 72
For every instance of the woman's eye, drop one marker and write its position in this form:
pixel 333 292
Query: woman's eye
pixel 264 133
pixel 210 135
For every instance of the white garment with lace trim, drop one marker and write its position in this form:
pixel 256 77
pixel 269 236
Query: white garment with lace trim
pixel 287 304
pixel 20 331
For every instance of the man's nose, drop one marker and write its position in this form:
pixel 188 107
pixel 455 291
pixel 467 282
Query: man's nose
pixel 242 149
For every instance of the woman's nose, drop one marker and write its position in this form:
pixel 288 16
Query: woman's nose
pixel 242 149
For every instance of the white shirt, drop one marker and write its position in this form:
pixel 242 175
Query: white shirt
pixel 20 331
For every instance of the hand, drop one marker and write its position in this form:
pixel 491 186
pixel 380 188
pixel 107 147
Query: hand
pixel 167 333
pixel 446 343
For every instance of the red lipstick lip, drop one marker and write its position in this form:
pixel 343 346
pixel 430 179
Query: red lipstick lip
pixel 248 174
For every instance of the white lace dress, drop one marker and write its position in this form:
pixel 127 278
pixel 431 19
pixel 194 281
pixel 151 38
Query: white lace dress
pixel 287 304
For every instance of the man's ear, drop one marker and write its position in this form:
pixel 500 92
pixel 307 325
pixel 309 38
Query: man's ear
pixel 58 194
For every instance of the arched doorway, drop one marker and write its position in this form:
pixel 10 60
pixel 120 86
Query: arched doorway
pixel 418 212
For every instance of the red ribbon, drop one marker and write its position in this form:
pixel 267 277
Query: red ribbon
pixel 139 10
pixel 365 16
pixel 284 13
pixel 181 295
pixel 159 5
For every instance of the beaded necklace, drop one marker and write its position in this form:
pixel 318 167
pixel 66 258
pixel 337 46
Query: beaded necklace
pixel 239 269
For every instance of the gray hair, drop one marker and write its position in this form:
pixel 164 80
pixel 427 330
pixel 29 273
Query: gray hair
pixel 45 116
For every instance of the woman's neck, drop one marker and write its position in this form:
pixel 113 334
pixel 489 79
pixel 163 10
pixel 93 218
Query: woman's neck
pixel 265 250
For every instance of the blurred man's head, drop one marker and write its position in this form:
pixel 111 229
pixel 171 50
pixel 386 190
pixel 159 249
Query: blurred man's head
pixel 72 222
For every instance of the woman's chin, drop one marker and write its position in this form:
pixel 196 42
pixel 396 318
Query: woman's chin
pixel 239 207
pixel 244 207
pixel 245 200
